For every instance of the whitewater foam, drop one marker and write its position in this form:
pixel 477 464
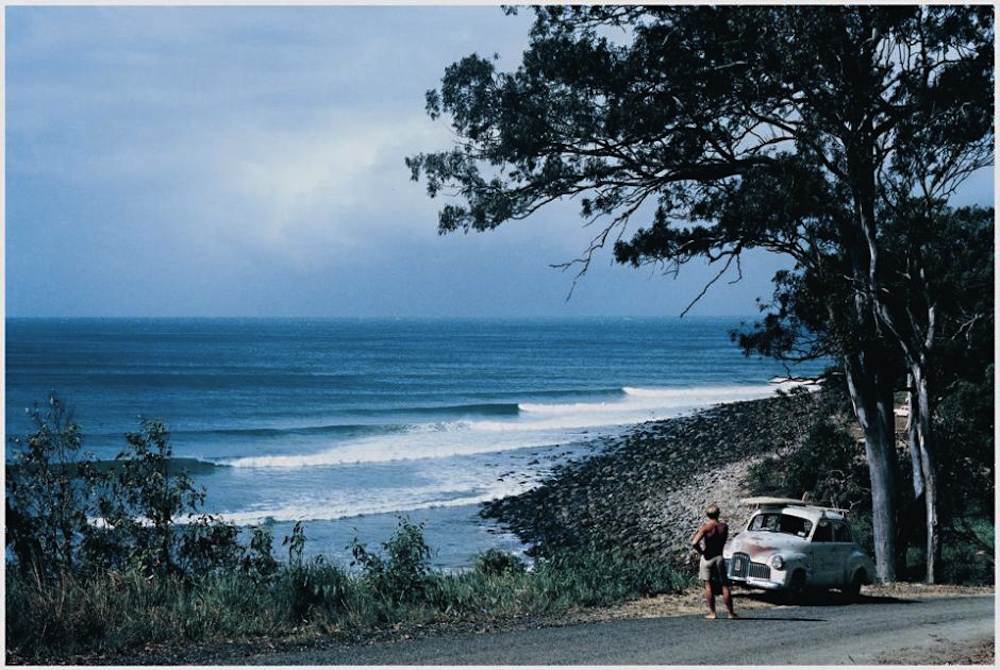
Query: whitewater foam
pixel 536 425
pixel 331 512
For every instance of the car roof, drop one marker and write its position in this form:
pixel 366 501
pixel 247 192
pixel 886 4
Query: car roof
pixel 797 508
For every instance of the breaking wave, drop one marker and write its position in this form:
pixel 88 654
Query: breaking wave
pixel 334 510
pixel 526 424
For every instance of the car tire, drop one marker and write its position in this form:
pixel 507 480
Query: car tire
pixel 796 590
pixel 853 588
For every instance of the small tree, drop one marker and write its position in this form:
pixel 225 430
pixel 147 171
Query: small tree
pixel 145 499
pixel 68 513
pixel 50 484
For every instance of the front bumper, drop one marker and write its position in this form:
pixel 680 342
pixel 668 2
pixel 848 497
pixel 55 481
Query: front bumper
pixel 757 575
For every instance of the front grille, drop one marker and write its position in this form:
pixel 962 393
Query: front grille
pixel 760 571
pixel 739 565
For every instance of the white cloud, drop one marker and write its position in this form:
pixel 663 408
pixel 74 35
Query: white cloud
pixel 276 131
pixel 314 191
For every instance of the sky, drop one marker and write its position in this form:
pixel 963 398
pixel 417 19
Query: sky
pixel 248 161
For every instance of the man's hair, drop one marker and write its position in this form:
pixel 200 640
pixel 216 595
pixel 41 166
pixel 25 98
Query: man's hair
pixel 712 512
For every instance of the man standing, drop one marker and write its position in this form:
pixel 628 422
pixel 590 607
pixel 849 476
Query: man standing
pixel 709 541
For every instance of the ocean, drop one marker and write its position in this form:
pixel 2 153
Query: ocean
pixel 345 424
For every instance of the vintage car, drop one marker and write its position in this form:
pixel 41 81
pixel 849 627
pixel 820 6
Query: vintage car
pixel 791 545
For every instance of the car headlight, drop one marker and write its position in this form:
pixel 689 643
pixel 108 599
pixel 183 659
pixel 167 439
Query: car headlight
pixel 777 562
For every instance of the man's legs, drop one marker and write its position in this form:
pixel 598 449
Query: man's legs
pixel 710 599
pixel 727 598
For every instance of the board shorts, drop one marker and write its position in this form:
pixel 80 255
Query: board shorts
pixel 713 570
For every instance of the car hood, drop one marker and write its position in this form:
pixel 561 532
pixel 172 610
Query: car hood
pixel 757 543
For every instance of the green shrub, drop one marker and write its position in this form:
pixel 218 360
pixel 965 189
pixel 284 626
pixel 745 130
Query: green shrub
pixel 967 552
pixel 964 432
pixel 147 513
pixel 402 575
pixel 829 465
pixel 498 562
pixel 50 484
pixel 258 558
pixel 594 577
pixel 314 585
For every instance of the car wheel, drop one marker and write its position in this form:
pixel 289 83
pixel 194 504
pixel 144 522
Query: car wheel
pixel 853 588
pixel 796 588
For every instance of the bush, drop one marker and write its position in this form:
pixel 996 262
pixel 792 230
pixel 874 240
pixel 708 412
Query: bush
pixel 147 515
pixel 965 436
pixel 593 577
pixel 401 576
pixel 497 562
pixel 258 558
pixel 314 585
pixel 967 551
pixel 830 466
pixel 146 501
pixel 49 488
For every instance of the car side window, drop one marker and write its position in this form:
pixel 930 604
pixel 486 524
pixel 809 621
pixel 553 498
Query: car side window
pixel 842 533
pixel 824 532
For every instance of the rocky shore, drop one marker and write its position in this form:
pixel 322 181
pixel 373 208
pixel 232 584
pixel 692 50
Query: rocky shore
pixel 645 492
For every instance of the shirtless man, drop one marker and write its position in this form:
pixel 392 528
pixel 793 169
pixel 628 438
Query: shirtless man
pixel 708 541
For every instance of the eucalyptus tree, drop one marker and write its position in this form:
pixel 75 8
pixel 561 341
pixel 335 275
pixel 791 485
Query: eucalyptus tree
pixel 823 119
pixel 954 285
pixel 937 301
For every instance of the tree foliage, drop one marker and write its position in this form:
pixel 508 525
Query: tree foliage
pixel 677 106
pixel 69 513
pixel 48 485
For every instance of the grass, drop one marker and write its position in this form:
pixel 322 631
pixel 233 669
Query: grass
pixel 112 612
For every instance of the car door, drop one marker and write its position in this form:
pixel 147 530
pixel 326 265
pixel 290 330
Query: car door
pixel 841 549
pixel 823 552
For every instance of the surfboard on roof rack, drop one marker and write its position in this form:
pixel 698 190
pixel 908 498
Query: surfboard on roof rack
pixel 767 501
pixel 761 501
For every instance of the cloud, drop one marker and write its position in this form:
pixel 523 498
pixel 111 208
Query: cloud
pixel 240 129
pixel 249 160
pixel 343 182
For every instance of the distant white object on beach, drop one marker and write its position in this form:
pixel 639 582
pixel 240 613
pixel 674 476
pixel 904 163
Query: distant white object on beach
pixel 785 384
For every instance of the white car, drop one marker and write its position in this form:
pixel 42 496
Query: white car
pixel 790 545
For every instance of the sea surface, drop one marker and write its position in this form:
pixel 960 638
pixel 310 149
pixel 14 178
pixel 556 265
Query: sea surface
pixel 347 424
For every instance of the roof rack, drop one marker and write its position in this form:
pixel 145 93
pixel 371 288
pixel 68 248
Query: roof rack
pixel 766 501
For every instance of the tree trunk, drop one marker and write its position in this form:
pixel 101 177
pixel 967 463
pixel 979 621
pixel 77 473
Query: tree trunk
pixel 928 468
pixel 912 438
pixel 871 397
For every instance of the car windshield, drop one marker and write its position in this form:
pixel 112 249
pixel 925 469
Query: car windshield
pixel 775 522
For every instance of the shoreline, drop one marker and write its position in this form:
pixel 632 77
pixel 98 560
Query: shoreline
pixel 644 492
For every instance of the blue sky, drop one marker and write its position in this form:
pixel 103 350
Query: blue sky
pixel 249 162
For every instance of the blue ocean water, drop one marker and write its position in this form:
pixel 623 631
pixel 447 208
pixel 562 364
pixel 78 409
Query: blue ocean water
pixel 344 424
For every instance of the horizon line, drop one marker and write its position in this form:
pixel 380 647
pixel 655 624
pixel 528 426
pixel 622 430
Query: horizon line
pixel 482 317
